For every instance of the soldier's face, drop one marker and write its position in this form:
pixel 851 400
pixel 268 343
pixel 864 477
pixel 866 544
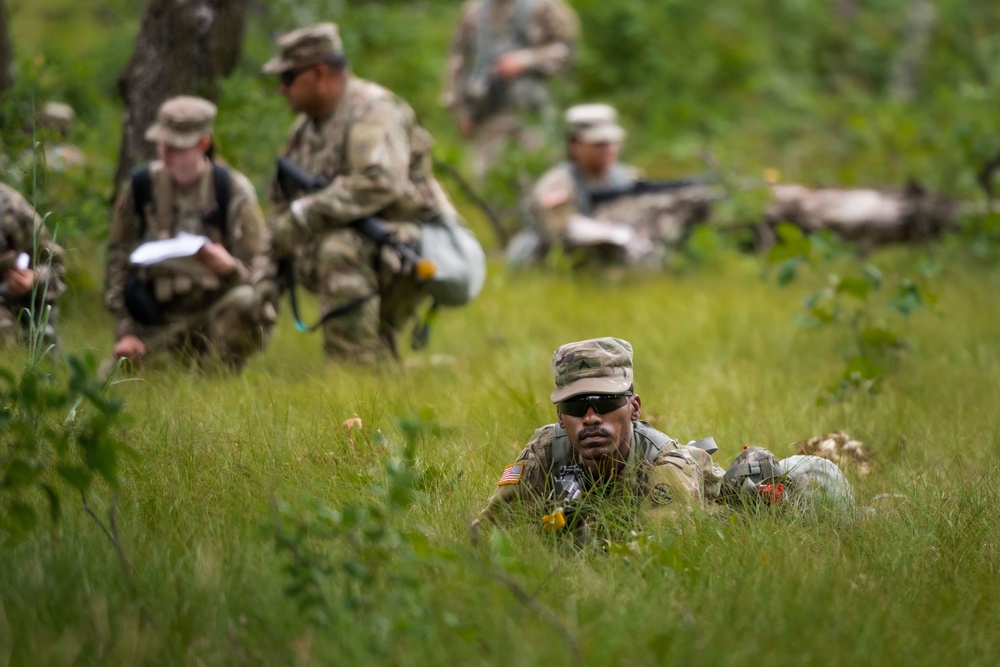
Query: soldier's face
pixel 594 159
pixel 185 165
pixel 602 441
pixel 313 90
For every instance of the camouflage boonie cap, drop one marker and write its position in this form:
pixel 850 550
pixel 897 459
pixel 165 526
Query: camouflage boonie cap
pixel 182 121
pixel 594 124
pixel 306 46
pixel 596 366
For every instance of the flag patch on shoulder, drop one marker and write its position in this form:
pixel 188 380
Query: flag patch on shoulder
pixel 554 197
pixel 511 474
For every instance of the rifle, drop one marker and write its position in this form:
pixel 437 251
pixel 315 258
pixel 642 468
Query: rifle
pixel 598 197
pixel 568 488
pixel 293 181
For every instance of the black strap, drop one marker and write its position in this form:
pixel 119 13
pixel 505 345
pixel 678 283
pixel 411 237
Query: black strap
pixel 286 278
pixel 142 195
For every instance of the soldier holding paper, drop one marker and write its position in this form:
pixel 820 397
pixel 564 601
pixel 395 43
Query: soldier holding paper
pixel 213 303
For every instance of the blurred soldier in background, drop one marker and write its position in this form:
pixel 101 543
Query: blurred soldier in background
pixel 596 208
pixel 215 304
pixel 23 271
pixel 502 56
pixel 367 155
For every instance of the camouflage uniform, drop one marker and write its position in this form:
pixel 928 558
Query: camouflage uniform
pixel 18 221
pixel 543 34
pixel 669 476
pixel 633 229
pixel 377 159
pixel 229 317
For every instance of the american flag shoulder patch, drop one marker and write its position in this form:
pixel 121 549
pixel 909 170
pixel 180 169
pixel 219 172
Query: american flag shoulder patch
pixel 511 474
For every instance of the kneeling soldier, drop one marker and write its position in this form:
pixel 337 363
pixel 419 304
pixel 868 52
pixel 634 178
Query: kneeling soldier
pixel 30 281
pixel 217 305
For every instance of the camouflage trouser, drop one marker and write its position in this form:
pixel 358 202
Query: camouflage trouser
pixel 231 330
pixel 15 324
pixel 344 267
pixel 496 134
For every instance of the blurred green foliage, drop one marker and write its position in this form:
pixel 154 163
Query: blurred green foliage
pixel 801 87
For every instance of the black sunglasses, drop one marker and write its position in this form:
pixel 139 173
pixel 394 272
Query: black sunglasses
pixel 602 404
pixel 287 78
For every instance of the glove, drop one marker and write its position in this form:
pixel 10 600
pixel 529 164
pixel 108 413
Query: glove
pixel 285 235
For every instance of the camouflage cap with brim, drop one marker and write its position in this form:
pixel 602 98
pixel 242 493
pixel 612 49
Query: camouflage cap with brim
pixel 306 46
pixel 596 366
pixel 182 121
pixel 594 124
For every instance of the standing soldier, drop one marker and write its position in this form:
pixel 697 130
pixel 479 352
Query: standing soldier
pixel 216 305
pixel 26 275
pixel 501 58
pixel 365 155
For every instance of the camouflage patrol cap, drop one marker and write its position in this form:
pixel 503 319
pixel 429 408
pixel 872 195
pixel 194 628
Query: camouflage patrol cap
pixel 594 124
pixel 306 46
pixel 596 366
pixel 182 121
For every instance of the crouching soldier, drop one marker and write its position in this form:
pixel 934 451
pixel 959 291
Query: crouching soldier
pixel 30 281
pixel 216 303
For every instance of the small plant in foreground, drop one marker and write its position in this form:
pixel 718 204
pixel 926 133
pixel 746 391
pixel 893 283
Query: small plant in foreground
pixel 848 301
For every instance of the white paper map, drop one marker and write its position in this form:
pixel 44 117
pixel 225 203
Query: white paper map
pixel 587 231
pixel 154 252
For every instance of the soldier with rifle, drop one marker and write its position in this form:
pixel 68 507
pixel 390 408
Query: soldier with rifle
pixel 215 304
pixel 503 55
pixel 593 207
pixel 356 153
pixel 600 451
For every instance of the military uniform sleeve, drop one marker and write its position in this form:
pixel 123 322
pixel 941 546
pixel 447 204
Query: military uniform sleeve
pixel 123 238
pixel 378 155
pixel 681 479
pixel 561 28
pixel 461 59
pixel 247 235
pixel 22 222
pixel 523 481
pixel 553 204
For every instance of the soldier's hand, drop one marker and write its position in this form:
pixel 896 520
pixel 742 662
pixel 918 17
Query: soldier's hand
pixel 510 65
pixel 215 258
pixel 287 230
pixel 130 347
pixel 19 281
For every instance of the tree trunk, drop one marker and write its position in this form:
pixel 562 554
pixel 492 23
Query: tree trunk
pixel 6 51
pixel 183 47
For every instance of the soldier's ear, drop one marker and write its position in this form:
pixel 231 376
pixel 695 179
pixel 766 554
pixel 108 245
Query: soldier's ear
pixel 559 420
pixel 636 404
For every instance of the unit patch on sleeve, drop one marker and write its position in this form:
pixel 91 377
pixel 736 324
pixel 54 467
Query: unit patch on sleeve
pixel 662 494
pixel 511 474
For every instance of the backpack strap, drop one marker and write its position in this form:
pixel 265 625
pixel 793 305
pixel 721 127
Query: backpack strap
pixel 223 182
pixel 654 441
pixel 142 194
pixel 562 450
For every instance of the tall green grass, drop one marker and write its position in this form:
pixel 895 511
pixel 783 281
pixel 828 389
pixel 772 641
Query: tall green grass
pixel 716 353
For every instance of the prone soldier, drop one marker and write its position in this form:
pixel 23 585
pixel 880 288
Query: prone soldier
pixel 502 56
pixel 594 207
pixel 216 305
pixel 600 447
pixel 30 281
